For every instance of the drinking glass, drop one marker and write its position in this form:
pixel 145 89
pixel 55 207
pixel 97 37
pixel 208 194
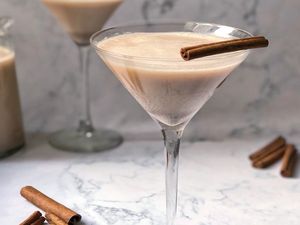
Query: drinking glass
pixel 11 125
pixel 158 80
pixel 80 19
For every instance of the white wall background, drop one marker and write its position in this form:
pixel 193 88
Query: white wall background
pixel 260 98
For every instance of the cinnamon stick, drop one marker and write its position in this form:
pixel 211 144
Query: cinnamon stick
pixel 198 51
pixel 268 149
pixel 40 221
pixel 289 161
pixel 53 219
pixel 269 159
pixel 49 205
pixel 32 218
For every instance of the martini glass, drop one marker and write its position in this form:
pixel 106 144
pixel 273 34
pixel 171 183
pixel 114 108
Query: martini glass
pixel 80 19
pixel 146 59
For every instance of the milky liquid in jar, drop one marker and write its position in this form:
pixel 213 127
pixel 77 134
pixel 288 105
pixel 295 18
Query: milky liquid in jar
pixel 11 126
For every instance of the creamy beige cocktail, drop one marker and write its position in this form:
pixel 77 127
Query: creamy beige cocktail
pixel 147 60
pixel 11 127
pixel 81 18
pixel 170 90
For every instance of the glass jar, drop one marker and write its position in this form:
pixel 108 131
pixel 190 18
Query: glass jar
pixel 11 125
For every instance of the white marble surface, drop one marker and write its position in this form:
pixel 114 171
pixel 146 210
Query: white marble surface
pixel 261 96
pixel 125 186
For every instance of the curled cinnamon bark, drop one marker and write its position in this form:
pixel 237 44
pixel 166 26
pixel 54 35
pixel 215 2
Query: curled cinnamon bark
pixel 32 218
pixel 49 205
pixel 268 149
pixel 289 161
pixel 53 219
pixel 198 51
pixel 269 159
pixel 40 221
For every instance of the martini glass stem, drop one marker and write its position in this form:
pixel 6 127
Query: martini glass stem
pixel 85 122
pixel 172 143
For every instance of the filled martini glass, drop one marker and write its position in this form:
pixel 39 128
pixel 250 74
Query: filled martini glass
pixel 147 61
pixel 80 19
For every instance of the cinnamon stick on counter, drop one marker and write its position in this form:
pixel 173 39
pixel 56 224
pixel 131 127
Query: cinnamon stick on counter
pixel 289 161
pixel 270 158
pixel 49 205
pixel 198 51
pixel 53 219
pixel 270 148
pixel 40 221
pixel 32 218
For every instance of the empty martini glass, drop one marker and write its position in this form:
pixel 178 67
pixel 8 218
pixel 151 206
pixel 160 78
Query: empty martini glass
pixel 146 59
pixel 80 19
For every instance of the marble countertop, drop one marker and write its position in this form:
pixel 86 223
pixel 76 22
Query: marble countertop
pixel 125 186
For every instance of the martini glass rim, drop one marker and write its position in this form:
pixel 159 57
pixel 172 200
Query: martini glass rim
pixel 94 42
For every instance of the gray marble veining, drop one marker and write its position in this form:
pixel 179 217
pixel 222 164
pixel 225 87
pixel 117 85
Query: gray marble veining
pixel 125 186
pixel 261 96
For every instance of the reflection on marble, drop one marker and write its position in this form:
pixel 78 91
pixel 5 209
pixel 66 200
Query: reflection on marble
pixel 125 186
pixel 261 96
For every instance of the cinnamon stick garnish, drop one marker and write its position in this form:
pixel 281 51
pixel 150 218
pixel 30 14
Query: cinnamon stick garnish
pixel 32 218
pixel 198 51
pixel 268 149
pixel 49 205
pixel 53 219
pixel 269 159
pixel 289 161
pixel 40 221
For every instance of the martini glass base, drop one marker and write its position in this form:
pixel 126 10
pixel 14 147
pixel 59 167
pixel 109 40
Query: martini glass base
pixel 75 141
